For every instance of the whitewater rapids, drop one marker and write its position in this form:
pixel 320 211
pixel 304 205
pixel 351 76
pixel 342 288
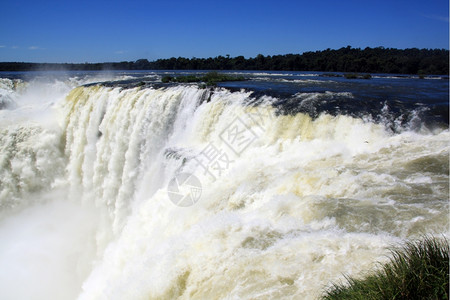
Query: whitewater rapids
pixel 293 203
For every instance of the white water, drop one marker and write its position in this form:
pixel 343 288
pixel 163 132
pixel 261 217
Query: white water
pixel 305 202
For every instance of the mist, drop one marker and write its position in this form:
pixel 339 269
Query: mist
pixel 47 250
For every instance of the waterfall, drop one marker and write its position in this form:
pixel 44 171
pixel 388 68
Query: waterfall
pixel 199 194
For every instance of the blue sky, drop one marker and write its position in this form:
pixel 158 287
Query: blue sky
pixel 117 30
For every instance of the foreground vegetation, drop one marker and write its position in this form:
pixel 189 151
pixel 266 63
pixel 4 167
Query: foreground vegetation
pixel 347 59
pixel 419 270
pixel 211 78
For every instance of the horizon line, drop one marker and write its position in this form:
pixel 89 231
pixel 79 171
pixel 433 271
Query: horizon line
pixel 227 55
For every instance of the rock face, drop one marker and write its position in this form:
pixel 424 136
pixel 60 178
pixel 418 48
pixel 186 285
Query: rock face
pixel 8 89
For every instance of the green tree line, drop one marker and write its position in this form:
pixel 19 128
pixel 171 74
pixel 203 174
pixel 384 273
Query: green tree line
pixel 346 59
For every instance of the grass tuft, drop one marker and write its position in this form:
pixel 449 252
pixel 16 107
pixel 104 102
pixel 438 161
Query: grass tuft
pixel 418 270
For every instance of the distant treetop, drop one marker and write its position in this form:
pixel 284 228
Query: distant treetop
pixel 346 59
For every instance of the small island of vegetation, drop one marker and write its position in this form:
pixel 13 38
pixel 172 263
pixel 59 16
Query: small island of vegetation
pixel 211 78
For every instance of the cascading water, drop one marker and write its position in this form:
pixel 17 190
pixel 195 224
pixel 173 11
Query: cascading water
pixel 282 203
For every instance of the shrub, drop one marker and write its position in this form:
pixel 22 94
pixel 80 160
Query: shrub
pixel 357 76
pixel 351 76
pixel 419 270
pixel 211 78
pixel 166 79
pixel 330 75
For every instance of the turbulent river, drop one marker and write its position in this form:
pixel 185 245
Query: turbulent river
pixel 117 186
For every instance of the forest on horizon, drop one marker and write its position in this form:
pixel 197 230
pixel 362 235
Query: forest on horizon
pixel 346 59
